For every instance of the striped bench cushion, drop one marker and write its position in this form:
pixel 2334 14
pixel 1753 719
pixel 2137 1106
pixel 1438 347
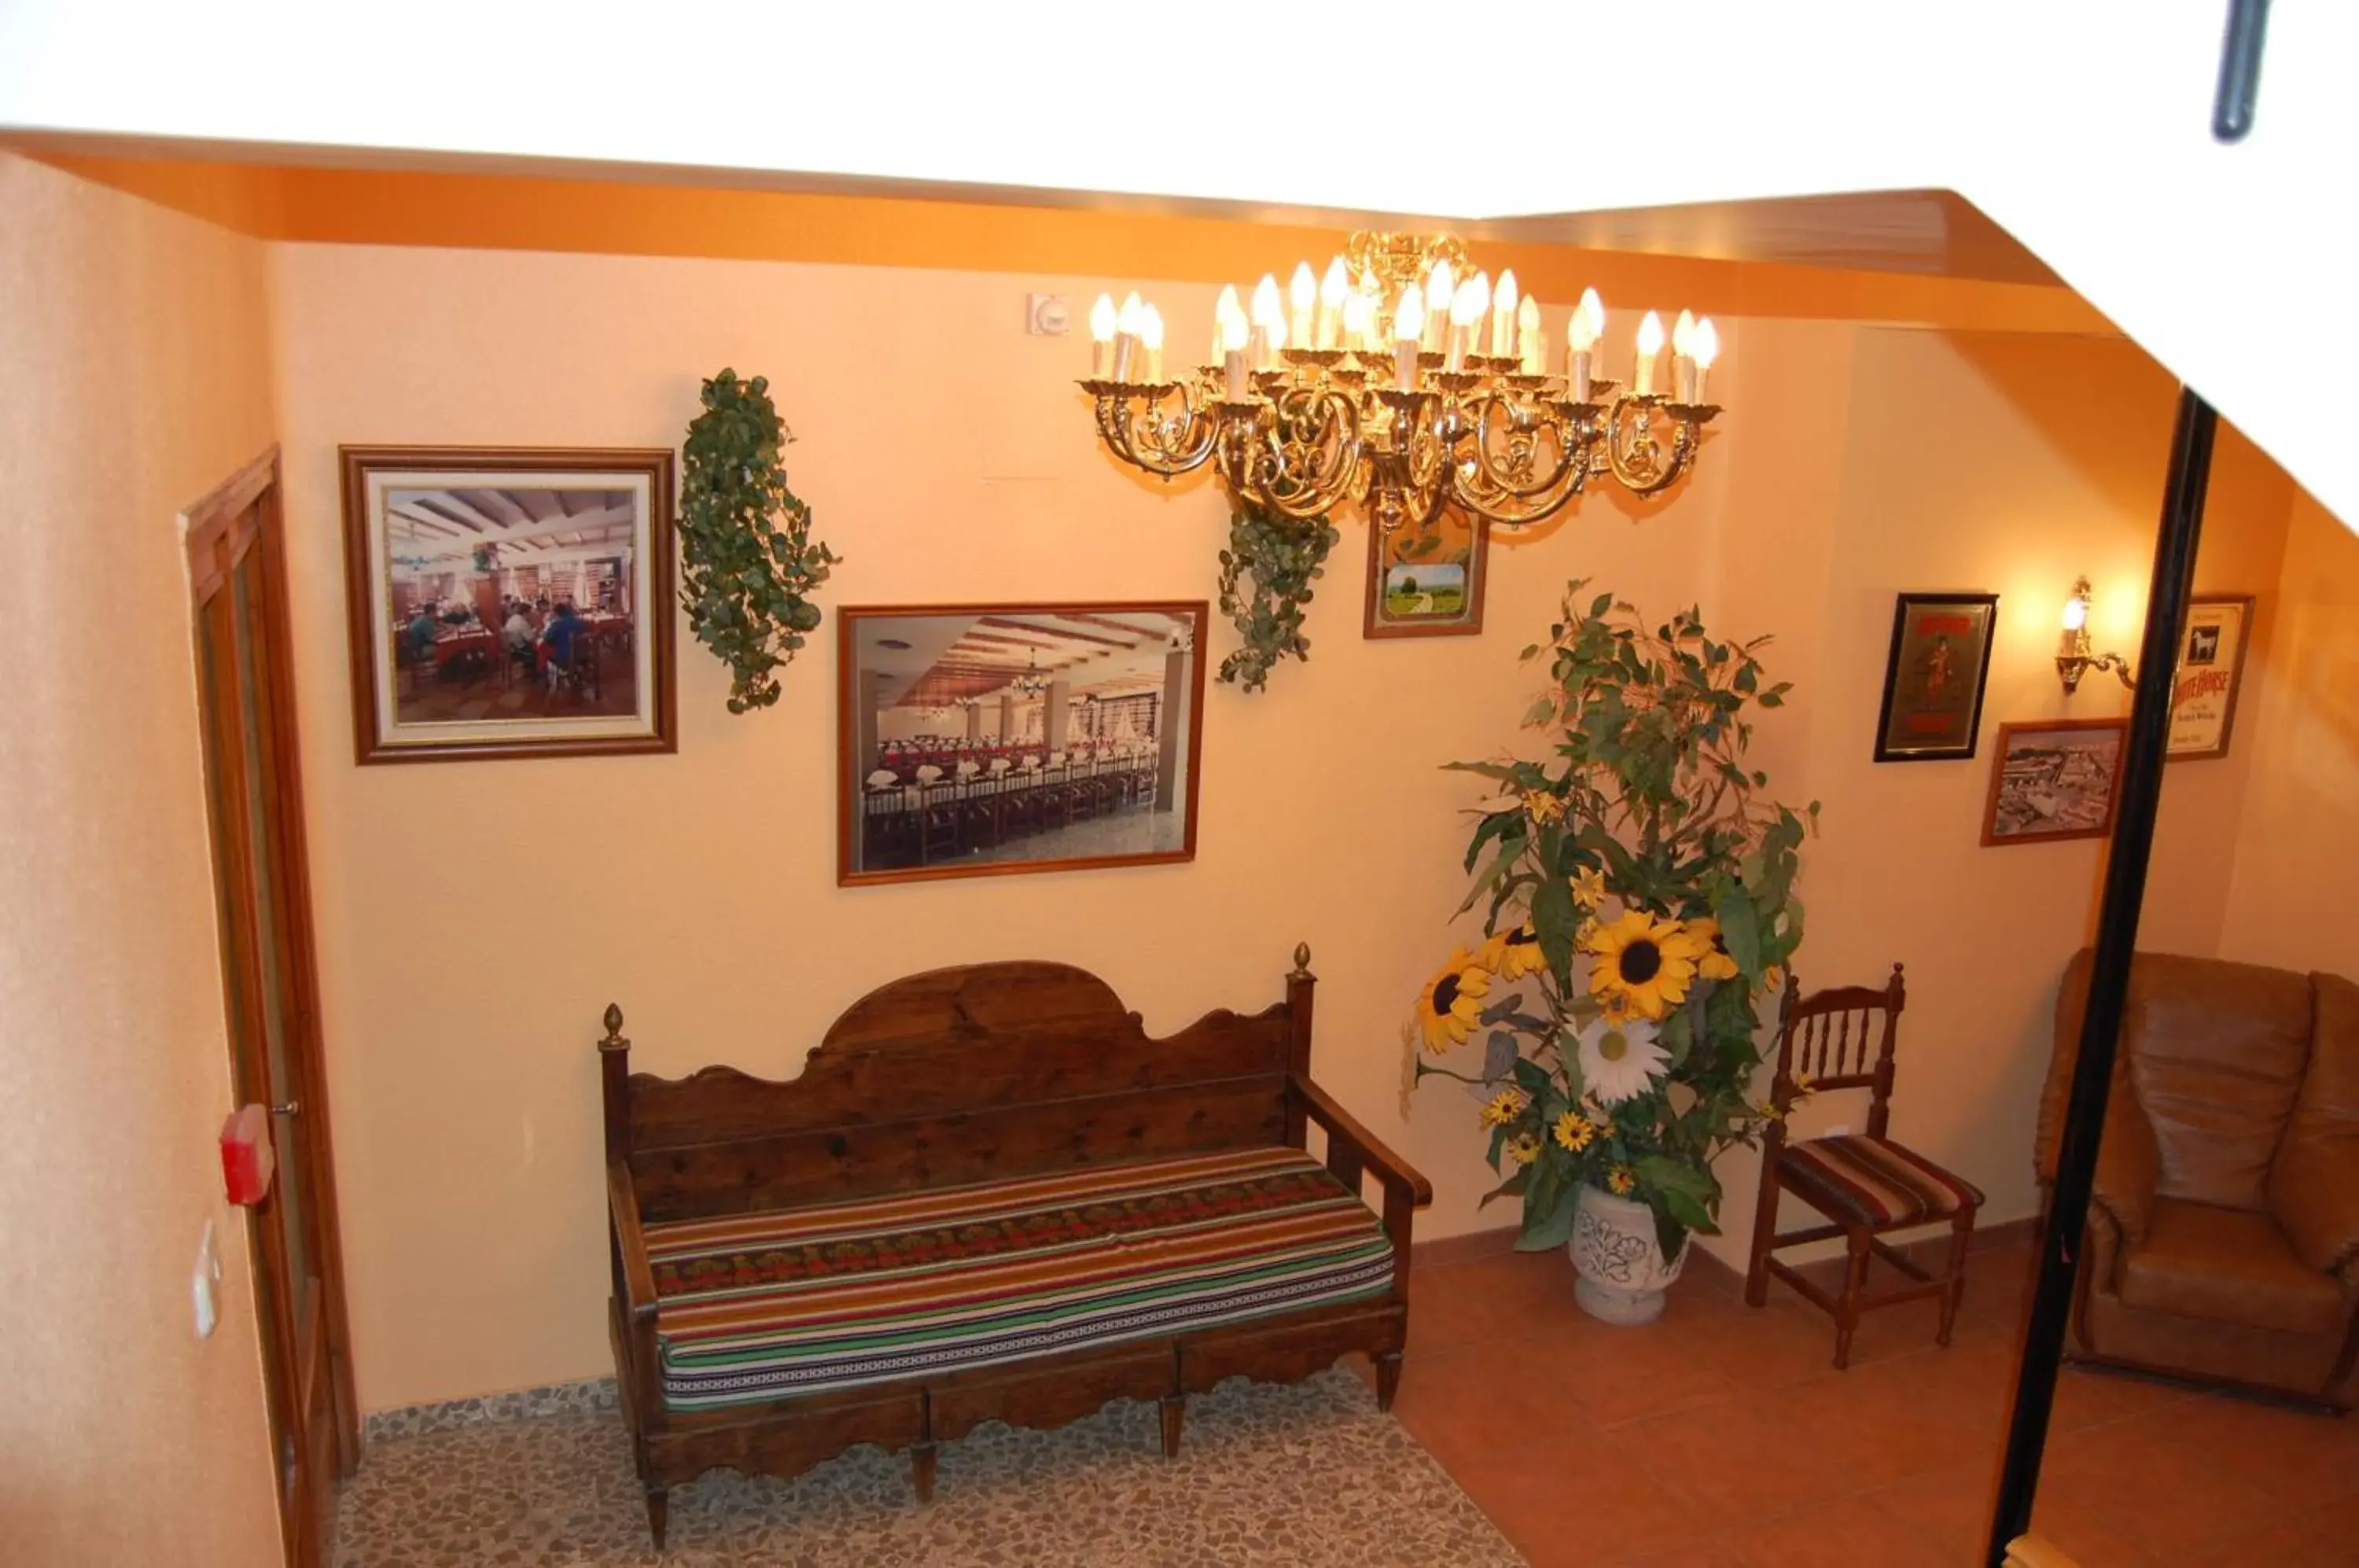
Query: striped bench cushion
pixel 1873 1182
pixel 755 1307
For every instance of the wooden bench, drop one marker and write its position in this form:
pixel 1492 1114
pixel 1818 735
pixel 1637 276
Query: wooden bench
pixel 1067 1211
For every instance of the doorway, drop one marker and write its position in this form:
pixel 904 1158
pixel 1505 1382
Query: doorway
pixel 254 803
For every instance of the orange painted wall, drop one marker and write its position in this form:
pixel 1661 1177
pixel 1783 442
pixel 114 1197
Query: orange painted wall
pixel 133 376
pixel 2000 464
pixel 947 457
pixel 2290 903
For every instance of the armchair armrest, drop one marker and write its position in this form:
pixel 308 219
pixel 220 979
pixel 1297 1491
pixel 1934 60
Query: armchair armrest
pixel 1362 1148
pixel 2129 1167
pixel 634 1276
pixel 2314 1197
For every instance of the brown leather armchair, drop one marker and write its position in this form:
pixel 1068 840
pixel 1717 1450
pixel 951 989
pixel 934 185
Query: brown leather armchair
pixel 2223 1239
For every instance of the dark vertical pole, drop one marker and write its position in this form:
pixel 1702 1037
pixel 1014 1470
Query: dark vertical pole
pixel 2140 789
pixel 2240 70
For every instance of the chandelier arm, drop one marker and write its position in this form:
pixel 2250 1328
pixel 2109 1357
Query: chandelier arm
pixel 1494 407
pixel 1633 453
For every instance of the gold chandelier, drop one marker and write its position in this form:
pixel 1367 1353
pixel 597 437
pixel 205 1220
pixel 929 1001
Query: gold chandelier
pixel 1404 382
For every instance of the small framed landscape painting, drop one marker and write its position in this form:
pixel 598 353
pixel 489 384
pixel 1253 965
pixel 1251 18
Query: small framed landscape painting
pixel 508 603
pixel 2054 780
pixel 1934 675
pixel 984 740
pixel 2210 673
pixel 1427 581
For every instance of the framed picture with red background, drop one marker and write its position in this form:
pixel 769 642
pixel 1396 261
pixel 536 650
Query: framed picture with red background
pixel 1934 675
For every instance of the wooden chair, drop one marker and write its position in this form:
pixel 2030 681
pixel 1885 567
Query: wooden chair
pixel 1866 1185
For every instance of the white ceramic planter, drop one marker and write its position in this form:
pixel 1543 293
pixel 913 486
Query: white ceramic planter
pixel 1619 1265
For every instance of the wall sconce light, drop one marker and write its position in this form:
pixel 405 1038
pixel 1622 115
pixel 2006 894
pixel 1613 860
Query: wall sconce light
pixel 2073 658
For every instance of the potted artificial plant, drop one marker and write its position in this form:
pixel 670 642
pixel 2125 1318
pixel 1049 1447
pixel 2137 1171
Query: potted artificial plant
pixel 1640 914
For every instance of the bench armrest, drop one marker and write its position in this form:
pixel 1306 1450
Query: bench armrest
pixel 635 1274
pixel 1367 1151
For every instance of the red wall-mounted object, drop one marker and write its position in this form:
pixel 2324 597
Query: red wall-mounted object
pixel 248 1160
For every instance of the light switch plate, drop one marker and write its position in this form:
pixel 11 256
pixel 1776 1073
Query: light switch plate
pixel 1046 315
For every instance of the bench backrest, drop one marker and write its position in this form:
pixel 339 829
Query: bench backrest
pixel 957 1075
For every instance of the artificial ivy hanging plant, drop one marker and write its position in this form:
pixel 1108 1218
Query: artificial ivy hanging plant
pixel 748 564
pixel 1281 557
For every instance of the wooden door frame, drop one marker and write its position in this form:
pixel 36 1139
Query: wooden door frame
pixel 215 544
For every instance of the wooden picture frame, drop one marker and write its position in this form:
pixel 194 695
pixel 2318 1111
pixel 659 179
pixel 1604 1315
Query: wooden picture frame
pixel 2032 783
pixel 1458 543
pixel 949 759
pixel 440 542
pixel 1930 713
pixel 2209 675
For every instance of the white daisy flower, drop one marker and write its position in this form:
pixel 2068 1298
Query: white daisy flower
pixel 1620 1059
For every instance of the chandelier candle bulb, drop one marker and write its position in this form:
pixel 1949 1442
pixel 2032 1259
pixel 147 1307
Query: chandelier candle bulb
pixel 1333 289
pixel 1102 337
pixel 1304 296
pixel 1528 337
pixel 1706 350
pixel 1126 336
pixel 1684 358
pixel 1408 333
pixel 1235 335
pixel 1441 291
pixel 1503 316
pixel 1150 336
pixel 1651 348
pixel 1267 322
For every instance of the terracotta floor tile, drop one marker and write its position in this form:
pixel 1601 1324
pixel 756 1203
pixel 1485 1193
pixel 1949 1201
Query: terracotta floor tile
pixel 1869 1427
pixel 1843 1534
pixel 2126 1478
pixel 1734 1459
pixel 1579 1502
pixel 1949 1507
pixel 1718 1552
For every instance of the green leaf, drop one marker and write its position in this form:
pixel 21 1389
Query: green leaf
pixel 1740 929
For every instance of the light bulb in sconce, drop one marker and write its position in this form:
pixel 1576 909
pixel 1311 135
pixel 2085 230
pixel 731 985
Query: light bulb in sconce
pixel 1441 288
pixel 1588 323
pixel 1126 335
pixel 1302 294
pixel 1502 314
pixel 2074 657
pixel 1333 287
pixel 1408 333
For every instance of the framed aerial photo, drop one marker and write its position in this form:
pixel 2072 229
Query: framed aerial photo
pixel 1427 581
pixel 508 602
pixel 1934 675
pixel 2210 673
pixel 2054 780
pixel 985 740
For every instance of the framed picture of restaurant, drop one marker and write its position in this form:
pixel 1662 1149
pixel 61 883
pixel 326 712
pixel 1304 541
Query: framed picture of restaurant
pixel 508 602
pixel 2054 779
pixel 1427 581
pixel 1933 677
pixel 2210 673
pixel 984 740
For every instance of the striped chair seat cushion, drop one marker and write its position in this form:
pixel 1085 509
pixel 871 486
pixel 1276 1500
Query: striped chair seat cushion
pixel 754 1307
pixel 1873 1182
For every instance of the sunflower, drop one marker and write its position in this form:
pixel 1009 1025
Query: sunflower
pixel 1543 806
pixel 1715 963
pixel 1619 1060
pixel 1588 887
pixel 1513 953
pixel 1574 1131
pixel 1647 959
pixel 1452 1003
pixel 1767 1110
pixel 1505 1108
pixel 1621 1179
pixel 1523 1148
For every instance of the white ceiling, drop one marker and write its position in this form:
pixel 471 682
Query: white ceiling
pixel 2082 127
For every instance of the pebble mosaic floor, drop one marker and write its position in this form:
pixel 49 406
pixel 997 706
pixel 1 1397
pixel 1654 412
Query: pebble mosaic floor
pixel 1295 1475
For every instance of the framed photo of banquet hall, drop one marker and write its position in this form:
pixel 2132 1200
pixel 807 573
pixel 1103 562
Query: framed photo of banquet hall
pixel 985 740
pixel 1427 581
pixel 508 602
